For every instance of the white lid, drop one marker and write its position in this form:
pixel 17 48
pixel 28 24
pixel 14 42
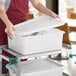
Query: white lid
pixel 36 25
pixel 37 65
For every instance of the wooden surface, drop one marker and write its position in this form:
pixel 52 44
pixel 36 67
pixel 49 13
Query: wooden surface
pixel 72 29
pixel 69 10
pixel 72 15
pixel 30 16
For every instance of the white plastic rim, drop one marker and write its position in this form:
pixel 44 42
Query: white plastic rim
pixel 37 24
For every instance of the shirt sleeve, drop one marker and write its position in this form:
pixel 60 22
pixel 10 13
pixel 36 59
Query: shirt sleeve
pixel 2 1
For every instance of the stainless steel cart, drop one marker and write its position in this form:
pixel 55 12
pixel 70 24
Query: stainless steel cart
pixel 66 49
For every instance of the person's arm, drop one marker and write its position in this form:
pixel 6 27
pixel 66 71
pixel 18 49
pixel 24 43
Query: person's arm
pixel 39 6
pixel 4 18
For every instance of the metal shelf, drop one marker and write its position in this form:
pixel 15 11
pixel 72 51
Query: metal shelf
pixel 65 49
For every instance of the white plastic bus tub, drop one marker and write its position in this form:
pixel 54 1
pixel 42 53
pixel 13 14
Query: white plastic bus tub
pixel 39 67
pixel 25 43
pixel 37 44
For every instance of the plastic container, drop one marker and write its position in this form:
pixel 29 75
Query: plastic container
pixel 37 44
pixel 39 67
pixel 24 43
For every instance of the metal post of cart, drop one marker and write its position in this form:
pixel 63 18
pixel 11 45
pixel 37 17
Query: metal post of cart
pixel 1 58
pixel 18 66
pixel 69 61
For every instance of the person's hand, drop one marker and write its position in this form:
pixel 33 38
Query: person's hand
pixel 9 30
pixel 54 15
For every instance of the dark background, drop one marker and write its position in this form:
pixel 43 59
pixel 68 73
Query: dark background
pixel 53 5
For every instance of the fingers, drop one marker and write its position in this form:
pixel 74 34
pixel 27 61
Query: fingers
pixel 57 16
pixel 13 28
pixel 11 37
pixel 54 16
pixel 9 31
